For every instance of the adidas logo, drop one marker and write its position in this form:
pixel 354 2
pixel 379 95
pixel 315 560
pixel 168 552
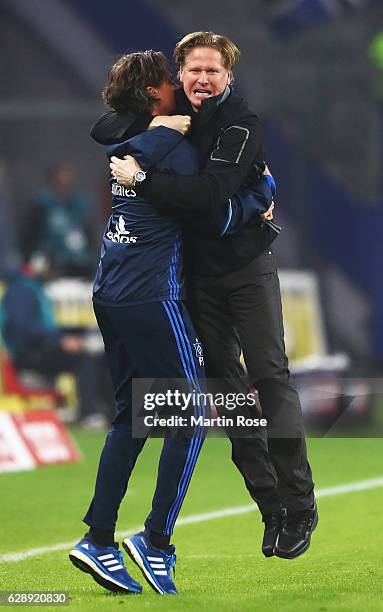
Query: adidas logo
pixel 158 566
pixel 120 233
pixel 110 562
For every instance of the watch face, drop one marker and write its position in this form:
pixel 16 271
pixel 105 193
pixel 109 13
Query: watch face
pixel 140 176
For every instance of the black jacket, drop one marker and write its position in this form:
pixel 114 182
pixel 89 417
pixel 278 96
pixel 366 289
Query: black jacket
pixel 228 137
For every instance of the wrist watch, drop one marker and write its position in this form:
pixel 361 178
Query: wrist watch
pixel 138 177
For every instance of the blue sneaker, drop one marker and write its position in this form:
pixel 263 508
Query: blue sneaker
pixel 155 564
pixel 105 565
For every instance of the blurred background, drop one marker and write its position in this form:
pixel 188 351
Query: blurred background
pixel 313 71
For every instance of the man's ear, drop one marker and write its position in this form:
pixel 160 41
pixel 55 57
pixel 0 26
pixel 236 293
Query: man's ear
pixel 152 90
pixel 230 78
pixel 179 75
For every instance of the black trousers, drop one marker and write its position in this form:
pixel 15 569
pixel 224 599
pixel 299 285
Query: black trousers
pixel 242 310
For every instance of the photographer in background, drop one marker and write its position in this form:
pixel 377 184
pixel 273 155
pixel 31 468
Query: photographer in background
pixel 59 224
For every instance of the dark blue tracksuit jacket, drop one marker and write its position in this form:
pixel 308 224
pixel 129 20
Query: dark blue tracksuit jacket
pixel 141 257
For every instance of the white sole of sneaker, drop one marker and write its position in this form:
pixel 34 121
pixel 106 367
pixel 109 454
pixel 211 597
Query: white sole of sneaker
pixel 137 559
pixel 83 563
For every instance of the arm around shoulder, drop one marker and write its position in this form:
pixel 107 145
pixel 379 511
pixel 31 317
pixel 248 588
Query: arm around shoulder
pixel 236 148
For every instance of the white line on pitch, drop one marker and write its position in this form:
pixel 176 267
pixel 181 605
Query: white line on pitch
pixel 363 485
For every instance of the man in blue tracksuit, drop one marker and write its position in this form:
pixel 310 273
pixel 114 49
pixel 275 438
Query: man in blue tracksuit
pixel 138 301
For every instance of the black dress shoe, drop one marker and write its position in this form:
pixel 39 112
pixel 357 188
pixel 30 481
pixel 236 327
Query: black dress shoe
pixel 273 525
pixel 295 536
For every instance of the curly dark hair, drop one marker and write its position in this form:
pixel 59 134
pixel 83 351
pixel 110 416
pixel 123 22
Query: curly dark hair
pixel 129 78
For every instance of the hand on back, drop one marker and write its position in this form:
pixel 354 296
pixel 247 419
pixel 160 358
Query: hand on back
pixel 181 123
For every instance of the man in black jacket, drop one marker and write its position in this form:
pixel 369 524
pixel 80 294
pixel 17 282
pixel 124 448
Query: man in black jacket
pixel 234 289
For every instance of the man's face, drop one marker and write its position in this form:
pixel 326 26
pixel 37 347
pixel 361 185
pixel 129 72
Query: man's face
pixel 165 103
pixel 203 75
pixel 64 179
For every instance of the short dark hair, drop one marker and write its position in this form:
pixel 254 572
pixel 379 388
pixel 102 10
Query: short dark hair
pixel 131 75
pixel 229 51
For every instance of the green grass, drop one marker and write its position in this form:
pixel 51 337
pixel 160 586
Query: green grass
pixel 220 566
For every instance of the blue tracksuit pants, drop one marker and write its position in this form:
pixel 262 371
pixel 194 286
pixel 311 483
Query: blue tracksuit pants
pixel 155 340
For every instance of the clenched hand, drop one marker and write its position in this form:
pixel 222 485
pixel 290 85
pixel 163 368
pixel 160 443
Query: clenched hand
pixel 123 170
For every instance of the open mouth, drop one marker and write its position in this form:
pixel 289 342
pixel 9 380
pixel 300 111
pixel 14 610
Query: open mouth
pixel 202 93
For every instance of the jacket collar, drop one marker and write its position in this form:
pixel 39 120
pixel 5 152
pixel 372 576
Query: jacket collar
pixel 208 107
